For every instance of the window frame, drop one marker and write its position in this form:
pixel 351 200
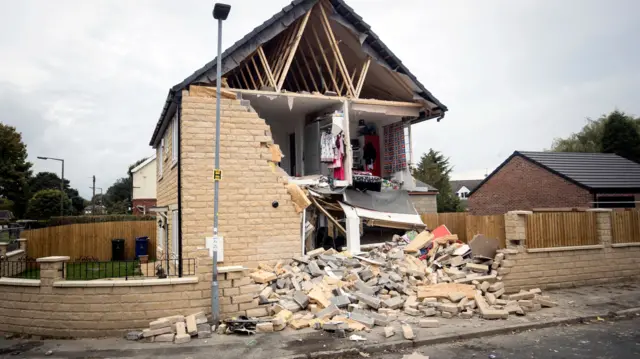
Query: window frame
pixel 174 232
pixel 174 140
pixel 159 157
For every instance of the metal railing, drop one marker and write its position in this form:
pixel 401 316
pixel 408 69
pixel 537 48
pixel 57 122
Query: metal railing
pixel 127 269
pixel 10 232
pixel 22 268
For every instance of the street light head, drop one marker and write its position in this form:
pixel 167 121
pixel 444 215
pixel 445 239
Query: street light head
pixel 43 158
pixel 221 11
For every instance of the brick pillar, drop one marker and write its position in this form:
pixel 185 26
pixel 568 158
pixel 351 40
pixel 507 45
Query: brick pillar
pixel 50 271
pixel 603 225
pixel 23 244
pixel 516 229
pixel 3 249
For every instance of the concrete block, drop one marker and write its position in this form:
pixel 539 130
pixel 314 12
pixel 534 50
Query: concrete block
pixel 164 338
pixel 366 274
pixel 301 299
pixel 478 268
pixel 429 323
pixel 134 335
pixel 341 301
pixel 547 303
pixel 412 311
pixel 160 323
pixel 266 293
pixel 429 312
pixel 389 332
pixel 363 319
pixel 182 338
pixel 407 332
pixel 204 334
pixel 536 291
pixel 449 308
pixel 150 333
pixel 264 327
pixel 499 293
pixel 456 296
pixel 314 269
pixel 299 323
pixel 495 314
pixel 496 286
pixel 331 326
pixel 329 312
pixel 379 319
pixel 278 324
pixel 485 286
pixel 394 302
pixel 467 314
pixel 368 299
pixel 446 315
pixel 257 312
pixel 364 288
pixel 491 298
pixel 192 327
pixel 521 295
pixel 181 328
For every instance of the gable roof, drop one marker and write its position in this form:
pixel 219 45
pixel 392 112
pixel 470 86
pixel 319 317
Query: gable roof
pixel 143 164
pixel 279 22
pixel 592 171
pixel 470 184
pixel 423 187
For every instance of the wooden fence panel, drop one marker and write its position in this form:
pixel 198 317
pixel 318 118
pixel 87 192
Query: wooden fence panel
pixel 564 229
pixel 625 226
pixel 89 239
pixel 490 226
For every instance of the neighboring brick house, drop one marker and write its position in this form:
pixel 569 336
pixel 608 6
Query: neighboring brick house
pixel 543 180
pixel 424 198
pixel 144 178
pixel 462 188
pixel 273 93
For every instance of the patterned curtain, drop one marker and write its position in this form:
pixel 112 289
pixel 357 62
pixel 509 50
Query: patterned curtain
pixel 395 157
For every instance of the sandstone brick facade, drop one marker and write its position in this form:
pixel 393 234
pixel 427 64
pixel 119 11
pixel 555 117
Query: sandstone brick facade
pixel 567 267
pixel 522 185
pixel 424 203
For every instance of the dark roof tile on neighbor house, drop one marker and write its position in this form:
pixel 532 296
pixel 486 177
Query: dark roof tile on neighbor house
pixel 593 171
pixel 470 184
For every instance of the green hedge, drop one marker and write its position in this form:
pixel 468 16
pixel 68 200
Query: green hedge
pixel 59 221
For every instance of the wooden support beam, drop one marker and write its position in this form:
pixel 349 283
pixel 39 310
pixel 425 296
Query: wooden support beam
pixel 255 66
pixel 363 74
pixel 306 64
pixel 294 47
pixel 282 54
pixel 336 51
pixel 295 80
pixel 278 49
pixel 329 217
pixel 253 82
pixel 304 81
pixel 333 78
pixel 243 77
pixel 315 61
pixel 267 68
pixel 235 73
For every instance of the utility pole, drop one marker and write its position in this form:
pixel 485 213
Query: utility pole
pixel 93 198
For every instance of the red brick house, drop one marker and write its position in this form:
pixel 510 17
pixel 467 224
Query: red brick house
pixel 531 180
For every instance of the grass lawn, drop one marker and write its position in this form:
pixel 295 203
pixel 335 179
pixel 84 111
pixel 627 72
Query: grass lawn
pixel 91 270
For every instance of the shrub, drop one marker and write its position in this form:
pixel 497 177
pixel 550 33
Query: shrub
pixel 46 203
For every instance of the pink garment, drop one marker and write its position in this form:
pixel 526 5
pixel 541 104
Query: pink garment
pixel 338 162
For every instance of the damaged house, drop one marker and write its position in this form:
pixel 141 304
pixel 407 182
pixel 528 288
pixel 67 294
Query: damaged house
pixel 316 112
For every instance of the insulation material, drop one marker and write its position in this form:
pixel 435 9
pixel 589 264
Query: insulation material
pixel 298 197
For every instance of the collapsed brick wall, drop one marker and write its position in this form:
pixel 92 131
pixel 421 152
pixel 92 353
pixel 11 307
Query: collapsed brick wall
pixel 253 229
pixel 566 267
pixel 522 185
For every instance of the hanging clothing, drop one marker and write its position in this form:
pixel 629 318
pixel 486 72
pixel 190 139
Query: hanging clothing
pixel 338 163
pixel 327 147
pixel 369 154
pixel 395 157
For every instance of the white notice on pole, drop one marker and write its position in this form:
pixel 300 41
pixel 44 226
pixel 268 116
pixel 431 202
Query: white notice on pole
pixel 218 243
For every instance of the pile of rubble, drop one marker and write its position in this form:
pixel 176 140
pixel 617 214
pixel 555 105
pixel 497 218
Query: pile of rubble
pixel 409 279
pixel 177 328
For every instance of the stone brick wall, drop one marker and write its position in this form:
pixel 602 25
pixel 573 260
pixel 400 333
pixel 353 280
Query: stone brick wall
pixel 252 228
pixel 566 266
pixel 522 185
pixel 167 186
pixel 54 307
pixel 424 203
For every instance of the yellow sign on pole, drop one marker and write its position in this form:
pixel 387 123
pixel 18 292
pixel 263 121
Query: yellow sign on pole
pixel 217 175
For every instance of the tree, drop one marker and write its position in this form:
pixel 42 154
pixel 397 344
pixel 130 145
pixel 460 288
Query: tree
pixel 434 169
pixel 118 196
pixel 46 204
pixel 50 180
pixel 589 139
pixel 620 136
pixel 14 169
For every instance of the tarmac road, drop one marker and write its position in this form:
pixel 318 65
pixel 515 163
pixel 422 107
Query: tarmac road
pixel 602 340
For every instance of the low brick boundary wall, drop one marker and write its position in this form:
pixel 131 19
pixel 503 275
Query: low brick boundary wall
pixel 54 307
pixel 562 267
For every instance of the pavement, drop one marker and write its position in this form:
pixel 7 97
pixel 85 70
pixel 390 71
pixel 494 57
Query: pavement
pixel 576 305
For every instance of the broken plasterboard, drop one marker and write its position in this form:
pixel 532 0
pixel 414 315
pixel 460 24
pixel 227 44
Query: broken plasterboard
pixel 218 244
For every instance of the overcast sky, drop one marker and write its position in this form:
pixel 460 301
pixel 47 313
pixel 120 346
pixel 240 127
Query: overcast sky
pixel 86 80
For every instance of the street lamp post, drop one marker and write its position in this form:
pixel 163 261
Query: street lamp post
pixel 61 182
pixel 220 13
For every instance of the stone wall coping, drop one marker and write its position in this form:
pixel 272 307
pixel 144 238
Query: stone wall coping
pixel 19 282
pixel 561 249
pixel 14 253
pixel 599 210
pixel 21 239
pixel 628 244
pixel 229 269
pixel 52 259
pixel 521 213
pixel 4 244
pixel 123 283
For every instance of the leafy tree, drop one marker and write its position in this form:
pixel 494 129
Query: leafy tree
pixel 620 136
pixel 589 139
pixel 14 169
pixel 434 169
pixel 50 180
pixel 46 204
pixel 118 196
pixel 6 205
